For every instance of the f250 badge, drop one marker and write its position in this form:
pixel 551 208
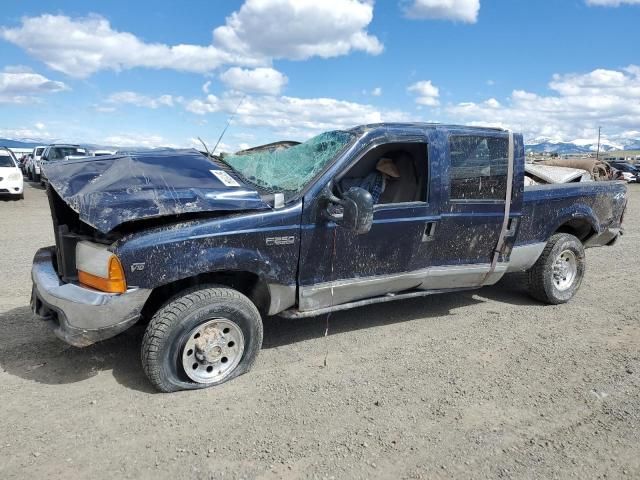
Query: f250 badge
pixel 137 267
pixel 280 240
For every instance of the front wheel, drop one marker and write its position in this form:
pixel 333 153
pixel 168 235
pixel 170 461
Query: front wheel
pixel 557 274
pixel 204 337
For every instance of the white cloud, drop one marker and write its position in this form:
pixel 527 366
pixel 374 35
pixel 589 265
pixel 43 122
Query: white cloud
pixel 492 103
pixel 137 140
pixel 425 92
pixel 313 114
pixel 210 104
pixel 139 100
pixel 612 3
pixel 19 85
pixel 82 46
pixel 299 29
pixel 376 92
pixel 39 133
pixel 292 116
pixel 260 80
pixel 194 142
pixel 205 87
pixel 260 31
pixel 457 10
pixel 582 102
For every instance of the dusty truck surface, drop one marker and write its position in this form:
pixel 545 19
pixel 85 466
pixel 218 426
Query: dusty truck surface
pixel 201 248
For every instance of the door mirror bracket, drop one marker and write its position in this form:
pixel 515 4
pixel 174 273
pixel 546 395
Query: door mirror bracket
pixel 357 209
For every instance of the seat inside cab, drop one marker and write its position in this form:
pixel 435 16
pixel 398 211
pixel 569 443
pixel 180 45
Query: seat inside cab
pixel 408 180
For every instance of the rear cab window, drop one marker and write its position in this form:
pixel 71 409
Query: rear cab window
pixel 478 170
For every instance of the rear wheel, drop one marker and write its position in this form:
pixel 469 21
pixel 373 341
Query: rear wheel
pixel 204 337
pixel 556 276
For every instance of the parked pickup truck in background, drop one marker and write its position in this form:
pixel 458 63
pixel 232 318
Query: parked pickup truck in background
pixel 201 249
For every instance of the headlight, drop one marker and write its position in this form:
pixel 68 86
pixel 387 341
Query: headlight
pixel 15 176
pixel 99 268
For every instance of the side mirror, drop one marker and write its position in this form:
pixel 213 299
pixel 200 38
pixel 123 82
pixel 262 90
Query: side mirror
pixel 357 210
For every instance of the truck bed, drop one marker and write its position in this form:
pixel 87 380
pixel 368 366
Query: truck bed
pixel 585 209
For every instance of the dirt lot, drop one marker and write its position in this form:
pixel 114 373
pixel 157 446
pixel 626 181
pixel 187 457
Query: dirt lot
pixel 473 385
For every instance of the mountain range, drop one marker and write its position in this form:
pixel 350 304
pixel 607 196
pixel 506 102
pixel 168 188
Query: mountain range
pixel 6 142
pixel 540 145
pixel 579 146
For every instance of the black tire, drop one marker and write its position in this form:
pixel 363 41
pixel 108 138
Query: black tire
pixel 36 178
pixel 169 329
pixel 541 280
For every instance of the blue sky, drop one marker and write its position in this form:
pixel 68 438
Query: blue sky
pixel 162 73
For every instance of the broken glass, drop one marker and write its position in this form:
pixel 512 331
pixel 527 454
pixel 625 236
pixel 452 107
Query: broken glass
pixel 289 170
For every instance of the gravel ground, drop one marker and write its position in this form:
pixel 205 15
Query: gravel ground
pixel 470 385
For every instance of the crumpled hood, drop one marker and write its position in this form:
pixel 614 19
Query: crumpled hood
pixel 109 191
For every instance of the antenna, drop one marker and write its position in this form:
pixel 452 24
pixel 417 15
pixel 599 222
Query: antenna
pixel 206 149
pixel 227 125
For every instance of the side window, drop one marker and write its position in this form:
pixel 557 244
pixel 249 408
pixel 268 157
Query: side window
pixel 392 173
pixel 478 167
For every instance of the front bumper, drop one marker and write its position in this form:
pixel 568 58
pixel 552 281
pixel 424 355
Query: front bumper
pixel 81 316
pixel 13 187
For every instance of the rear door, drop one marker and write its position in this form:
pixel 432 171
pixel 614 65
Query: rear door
pixel 472 208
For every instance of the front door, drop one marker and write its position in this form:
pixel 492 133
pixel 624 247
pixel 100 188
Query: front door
pixel 339 266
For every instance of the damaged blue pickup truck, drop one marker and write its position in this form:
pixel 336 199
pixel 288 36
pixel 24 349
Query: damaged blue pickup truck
pixel 199 248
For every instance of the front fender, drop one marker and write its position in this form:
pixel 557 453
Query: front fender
pixel 253 243
pixel 169 263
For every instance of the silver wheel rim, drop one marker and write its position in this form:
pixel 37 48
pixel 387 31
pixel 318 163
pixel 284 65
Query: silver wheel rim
pixel 212 350
pixel 565 270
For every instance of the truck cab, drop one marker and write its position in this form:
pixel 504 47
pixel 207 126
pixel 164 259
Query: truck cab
pixel 202 248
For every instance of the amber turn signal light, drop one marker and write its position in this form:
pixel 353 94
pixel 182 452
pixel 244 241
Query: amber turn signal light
pixel 115 283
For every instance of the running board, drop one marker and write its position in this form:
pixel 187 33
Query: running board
pixel 390 297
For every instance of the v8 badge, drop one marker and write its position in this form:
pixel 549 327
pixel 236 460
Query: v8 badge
pixel 137 267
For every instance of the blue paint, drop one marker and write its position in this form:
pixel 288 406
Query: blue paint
pixel 140 201
pixel 109 191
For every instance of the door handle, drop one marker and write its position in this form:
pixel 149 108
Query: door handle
pixel 429 231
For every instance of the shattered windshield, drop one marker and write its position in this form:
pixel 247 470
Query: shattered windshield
pixel 289 170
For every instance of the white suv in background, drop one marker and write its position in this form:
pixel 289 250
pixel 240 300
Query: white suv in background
pixel 60 152
pixel 33 164
pixel 11 182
